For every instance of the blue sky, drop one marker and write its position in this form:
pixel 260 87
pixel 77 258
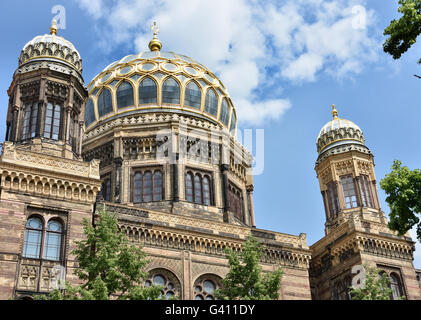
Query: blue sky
pixel 284 63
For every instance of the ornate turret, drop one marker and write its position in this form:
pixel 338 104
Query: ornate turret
pixel 46 97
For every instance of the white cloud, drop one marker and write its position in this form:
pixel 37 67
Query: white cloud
pixel 254 47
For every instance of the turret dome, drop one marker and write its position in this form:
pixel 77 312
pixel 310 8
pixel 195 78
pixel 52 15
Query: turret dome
pixel 339 132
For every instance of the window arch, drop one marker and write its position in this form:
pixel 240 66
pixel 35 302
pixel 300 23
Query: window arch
pixel 105 102
pixel 205 286
pixel 211 103
pixel 147 91
pixel 193 95
pixel 52 121
pixel 147 185
pixel 30 120
pixel 89 112
pixel 224 116
pixel 33 238
pixel 169 282
pixel 396 286
pixel 198 188
pixel 171 91
pixel 52 247
pixel 125 95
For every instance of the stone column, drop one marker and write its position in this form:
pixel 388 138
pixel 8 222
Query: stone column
pixel 250 189
pixel 68 124
pixel 118 162
pixel 80 137
pixel 14 133
pixel 224 186
pixel 175 191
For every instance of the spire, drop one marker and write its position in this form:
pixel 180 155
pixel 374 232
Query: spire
pixel 53 28
pixel 155 44
pixel 334 112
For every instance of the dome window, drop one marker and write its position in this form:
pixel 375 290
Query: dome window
pixel 191 71
pixel 224 117
pixel 233 121
pixel 125 95
pixel 89 112
pixel 171 92
pixel 147 67
pixel 147 91
pixel 125 70
pixel 170 67
pixel 211 103
pixel 105 103
pixel 193 95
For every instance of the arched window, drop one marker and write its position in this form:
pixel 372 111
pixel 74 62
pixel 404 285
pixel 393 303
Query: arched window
pixel 171 286
pixel 205 286
pixel 224 116
pixel 137 196
pixel 30 120
pixel 236 202
pixel 197 189
pixel 333 200
pixel 33 238
pixel 395 285
pixel 189 187
pixel 147 187
pixel 147 91
pixel 125 95
pixel 105 102
pixel 52 121
pixel 52 246
pixel 89 112
pixel 349 191
pixel 157 186
pixel 206 191
pixel 365 191
pixel 171 92
pixel 211 103
pixel 233 121
pixel 193 95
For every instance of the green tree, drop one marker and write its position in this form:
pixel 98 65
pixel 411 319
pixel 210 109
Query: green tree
pixel 403 190
pixel 403 33
pixel 245 280
pixel 375 286
pixel 109 266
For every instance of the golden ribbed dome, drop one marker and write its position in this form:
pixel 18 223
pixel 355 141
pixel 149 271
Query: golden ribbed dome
pixel 158 81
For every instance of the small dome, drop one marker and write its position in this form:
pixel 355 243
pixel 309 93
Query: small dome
pixel 51 47
pixel 157 81
pixel 338 132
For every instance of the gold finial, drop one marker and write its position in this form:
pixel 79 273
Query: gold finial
pixel 334 112
pixel 53 28
pixel 155 44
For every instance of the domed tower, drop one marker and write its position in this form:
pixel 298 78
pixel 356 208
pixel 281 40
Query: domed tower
pixel 46 187
pixel 46 97
pixel 356 227
pixel 163 126
pixel 345 168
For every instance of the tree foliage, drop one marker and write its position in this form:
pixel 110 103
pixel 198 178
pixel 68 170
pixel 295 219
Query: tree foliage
pixel 403 190
pixel 403 33
pixel 376 286
pixel 109 266
pixel 245 280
